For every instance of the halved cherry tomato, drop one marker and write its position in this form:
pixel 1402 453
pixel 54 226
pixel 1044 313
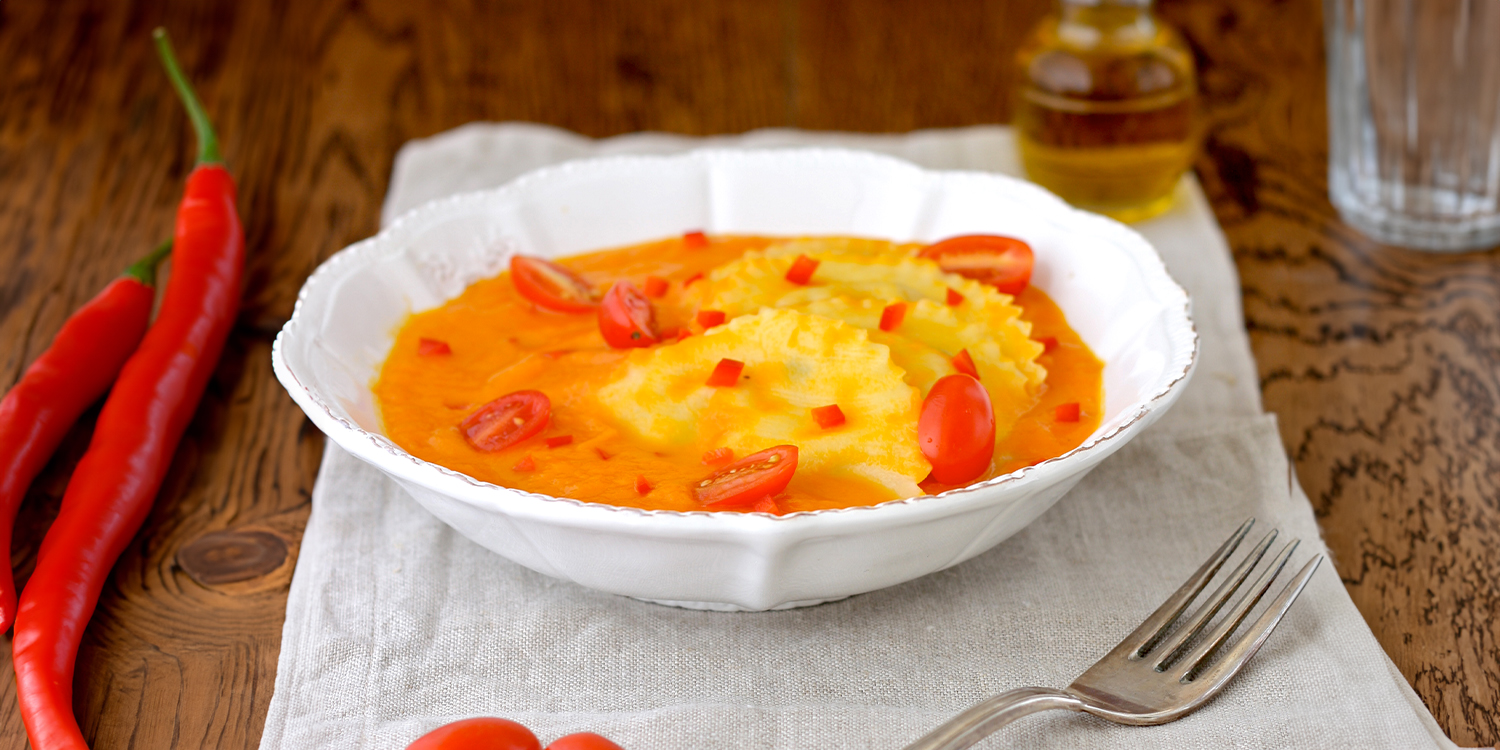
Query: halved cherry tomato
pixel 743 483
pixel 1002 262
pixel 507 420
pixel 625 317
pixel 583 741
pixel 482 733
pixel 957 429
pixel 552 286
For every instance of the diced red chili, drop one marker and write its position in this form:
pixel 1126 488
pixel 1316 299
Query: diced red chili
pixel 695 240
pixel 726 373
pixel 641 485
pixel 1048 343
pixel 695 277
pixel 526 464
pixel 559 441
pixel 829 417
pixel 965 364
pixel 656 286
pixel 802 270
pixel 766 504
pixel 892 315
pixel 718 456
pixel 1067 412
pixel 433 348
pixel 710 318
pixel 682 333
pixel 954 298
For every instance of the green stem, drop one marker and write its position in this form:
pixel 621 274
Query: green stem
pixel 208 143
pixel 144 270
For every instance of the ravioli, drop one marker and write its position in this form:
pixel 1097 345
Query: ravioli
pixel 856 279
pixel 794 363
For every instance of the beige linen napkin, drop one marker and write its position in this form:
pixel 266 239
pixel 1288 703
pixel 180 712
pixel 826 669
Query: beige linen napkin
pixel 397 624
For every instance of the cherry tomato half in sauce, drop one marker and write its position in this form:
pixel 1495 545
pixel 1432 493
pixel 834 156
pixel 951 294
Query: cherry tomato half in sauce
pixel 583 741
pixel 743 483
pixel 552 286
pixel 483 733
pixel 957 429
pixel 507 420
pixel 1002 262
pixel 625 317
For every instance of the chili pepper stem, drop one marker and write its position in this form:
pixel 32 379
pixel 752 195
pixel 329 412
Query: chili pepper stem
pixel 144 270
pixel 208 143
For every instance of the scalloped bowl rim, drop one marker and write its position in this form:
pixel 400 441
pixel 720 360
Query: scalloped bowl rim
pixel 380 451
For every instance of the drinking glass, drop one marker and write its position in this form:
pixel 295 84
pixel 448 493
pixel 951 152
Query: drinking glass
pixel 1414 120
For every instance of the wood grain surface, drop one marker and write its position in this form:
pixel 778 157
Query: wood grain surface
pixel 1383 364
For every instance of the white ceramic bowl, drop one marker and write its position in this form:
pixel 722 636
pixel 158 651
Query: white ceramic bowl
pixel 1107 279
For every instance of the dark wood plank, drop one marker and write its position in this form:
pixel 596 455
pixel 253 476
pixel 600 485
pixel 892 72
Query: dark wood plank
pixel 1380 361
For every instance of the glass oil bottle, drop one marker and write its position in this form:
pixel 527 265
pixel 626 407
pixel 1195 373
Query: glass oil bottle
pixel 1106 107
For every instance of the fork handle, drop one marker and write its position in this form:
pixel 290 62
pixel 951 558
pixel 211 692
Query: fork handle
pixel 980 721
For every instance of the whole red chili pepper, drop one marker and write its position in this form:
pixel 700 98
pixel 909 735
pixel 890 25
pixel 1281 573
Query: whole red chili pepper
pixel 112 488
pixel 73 373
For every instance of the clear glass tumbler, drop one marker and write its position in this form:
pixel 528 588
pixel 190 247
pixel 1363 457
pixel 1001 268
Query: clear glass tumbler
pixel 1414 120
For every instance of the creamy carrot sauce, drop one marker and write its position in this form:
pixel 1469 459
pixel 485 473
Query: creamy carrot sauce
pixel 501 343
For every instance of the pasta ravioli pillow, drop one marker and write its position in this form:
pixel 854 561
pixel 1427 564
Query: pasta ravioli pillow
pixel 793 363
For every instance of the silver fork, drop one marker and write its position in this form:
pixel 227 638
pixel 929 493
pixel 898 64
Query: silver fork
pixel 1156 674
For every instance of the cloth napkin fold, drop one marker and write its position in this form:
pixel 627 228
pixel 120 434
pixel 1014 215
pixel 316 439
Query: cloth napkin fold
pixel 397 624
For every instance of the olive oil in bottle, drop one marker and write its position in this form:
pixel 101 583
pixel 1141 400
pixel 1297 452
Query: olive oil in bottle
pixel 1105 110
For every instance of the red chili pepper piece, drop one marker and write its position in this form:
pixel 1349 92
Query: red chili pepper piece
pixel 433 348
pixel 526 464
pixel 892 315
pixel 559 441
pixel 1048 343
pixel 954 298
pixel 1067 412
pixel 695 240
pixel 641 485
pixel 829 417
pixel 802 270
pixel 149 407
pixel 695 277
pixel 726 374
pixel 656 286
pixel 718 456
pixel 73 373
pixel 965 364
pixel 766 504
pixel 710 318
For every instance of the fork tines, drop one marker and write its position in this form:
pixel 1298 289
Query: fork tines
pixel 1186 649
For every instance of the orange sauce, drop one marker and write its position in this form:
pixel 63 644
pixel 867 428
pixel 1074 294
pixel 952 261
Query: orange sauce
pixel 501 343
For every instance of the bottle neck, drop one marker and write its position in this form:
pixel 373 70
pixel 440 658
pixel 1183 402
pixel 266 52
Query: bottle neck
pixel 1123 19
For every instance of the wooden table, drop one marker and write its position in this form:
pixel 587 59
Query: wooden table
pixel 1383 364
